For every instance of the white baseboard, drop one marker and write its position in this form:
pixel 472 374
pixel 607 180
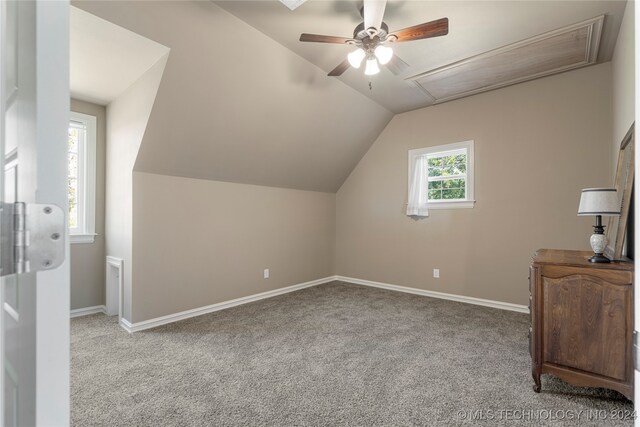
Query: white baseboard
pixel 159 321
pixel 127 326
pixel 440 295
pixel 88 310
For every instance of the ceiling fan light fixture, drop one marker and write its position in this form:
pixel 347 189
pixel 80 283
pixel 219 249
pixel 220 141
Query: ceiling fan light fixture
pixel 371 38
pixel 371 67
pixel 355 58
pixel 384 54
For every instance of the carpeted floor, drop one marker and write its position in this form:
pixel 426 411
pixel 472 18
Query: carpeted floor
pixel 335 354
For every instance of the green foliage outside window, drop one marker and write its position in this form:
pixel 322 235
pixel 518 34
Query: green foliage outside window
pixel 72 183
pixel 441 188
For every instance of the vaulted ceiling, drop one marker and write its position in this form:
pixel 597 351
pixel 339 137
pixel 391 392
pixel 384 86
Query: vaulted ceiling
pixel 105 59
pixel 475 27
pixel 242 100
pixel 235 105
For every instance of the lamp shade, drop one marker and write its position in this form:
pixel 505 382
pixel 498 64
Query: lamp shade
pixel 372 67
pixel 599 201
pixel 384 54
pixel 355 58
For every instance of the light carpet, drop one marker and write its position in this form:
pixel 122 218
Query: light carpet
pixel 330 355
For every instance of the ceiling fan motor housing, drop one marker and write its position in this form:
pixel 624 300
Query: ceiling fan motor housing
pixel 360 33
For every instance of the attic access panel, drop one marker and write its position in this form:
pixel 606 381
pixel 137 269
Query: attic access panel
pixel 561 50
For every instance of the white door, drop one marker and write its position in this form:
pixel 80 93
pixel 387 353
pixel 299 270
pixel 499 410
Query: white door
pixel 636 220
pixel 34 288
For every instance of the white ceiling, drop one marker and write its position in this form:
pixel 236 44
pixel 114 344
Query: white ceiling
pixel 106 59
pixel 474 27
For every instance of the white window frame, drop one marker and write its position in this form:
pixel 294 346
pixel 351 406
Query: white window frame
pixel 85 232
pixel 420 153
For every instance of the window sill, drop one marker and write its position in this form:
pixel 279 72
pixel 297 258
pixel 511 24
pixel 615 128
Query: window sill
pixel 461 204
pixel 82 238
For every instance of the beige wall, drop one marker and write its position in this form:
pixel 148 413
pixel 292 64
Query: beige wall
pixel 549 138
pixel 199 242
pixel 127 118
pixel 251 110
pixel 537 145
pixel 623 66
pixel 88 259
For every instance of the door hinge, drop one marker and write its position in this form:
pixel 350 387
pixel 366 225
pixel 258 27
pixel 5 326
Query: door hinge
pixel 32 237
pixel 636 352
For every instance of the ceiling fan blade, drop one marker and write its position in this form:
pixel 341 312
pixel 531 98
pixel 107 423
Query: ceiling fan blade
pixel 373 13
pixel 341 68
pixel 436 28
pixel 317 38
pixel 397 66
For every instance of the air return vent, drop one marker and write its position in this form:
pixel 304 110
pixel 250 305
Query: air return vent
pixel 561 50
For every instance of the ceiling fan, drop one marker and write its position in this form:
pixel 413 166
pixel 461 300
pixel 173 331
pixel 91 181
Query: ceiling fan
pixel 372 36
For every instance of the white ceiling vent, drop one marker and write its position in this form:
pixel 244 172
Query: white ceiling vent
pixel 550 53
pixel 292 4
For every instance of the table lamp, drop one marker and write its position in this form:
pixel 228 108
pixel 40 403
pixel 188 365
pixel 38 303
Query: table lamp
pixel 599 202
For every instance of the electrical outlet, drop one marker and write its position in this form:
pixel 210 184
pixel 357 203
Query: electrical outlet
pixel 266 273
pixel 436 273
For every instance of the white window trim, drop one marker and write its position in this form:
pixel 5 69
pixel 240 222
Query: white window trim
pixel 470 201
pixel 89 171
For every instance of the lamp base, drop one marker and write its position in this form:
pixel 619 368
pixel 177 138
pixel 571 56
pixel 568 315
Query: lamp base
pixel 598 242
pixel 599 258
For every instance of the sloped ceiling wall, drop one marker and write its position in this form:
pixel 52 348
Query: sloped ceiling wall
pixel 234 105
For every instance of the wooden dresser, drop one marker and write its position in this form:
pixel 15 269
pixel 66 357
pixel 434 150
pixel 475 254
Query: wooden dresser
pixel 581 320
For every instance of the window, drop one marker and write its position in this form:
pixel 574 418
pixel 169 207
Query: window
pixel 82 177
pixel 447 174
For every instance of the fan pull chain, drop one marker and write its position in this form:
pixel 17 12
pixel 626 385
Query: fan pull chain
pixel 370 85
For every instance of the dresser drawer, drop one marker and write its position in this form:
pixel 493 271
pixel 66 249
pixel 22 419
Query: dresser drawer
pixel 614 277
